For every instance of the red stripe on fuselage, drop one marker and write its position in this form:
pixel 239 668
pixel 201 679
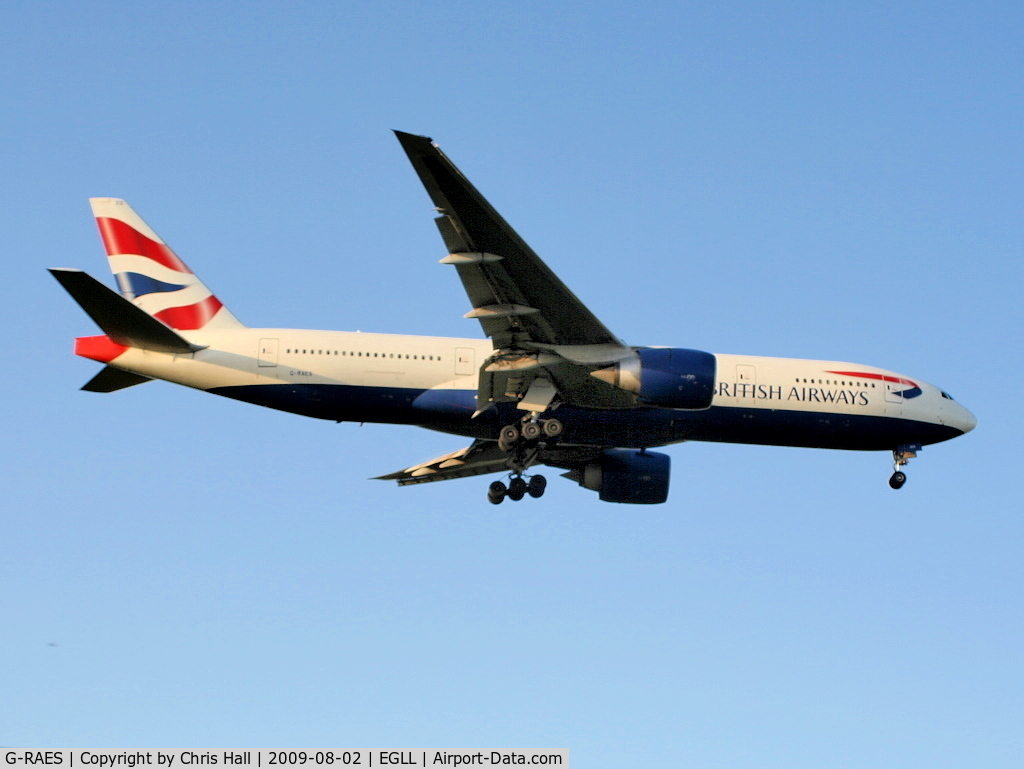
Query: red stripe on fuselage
pixel 99 348
pixel 120 238
pixel 191 316
pixel 880 377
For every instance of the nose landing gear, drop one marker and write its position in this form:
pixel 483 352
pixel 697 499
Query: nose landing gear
pixel 900 456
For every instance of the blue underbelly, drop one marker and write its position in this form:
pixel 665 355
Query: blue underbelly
pixel 451 411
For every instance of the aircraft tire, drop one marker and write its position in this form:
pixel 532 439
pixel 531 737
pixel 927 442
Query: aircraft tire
pixel 531 431
pixel 898 479
pixel 516 489
pixel 552 428
pixel 507 437
pixel 496 493
pixel 536 486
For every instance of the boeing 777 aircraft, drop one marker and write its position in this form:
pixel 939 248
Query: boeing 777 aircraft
pixel 550 385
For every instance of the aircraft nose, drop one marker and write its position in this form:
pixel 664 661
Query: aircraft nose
pixel 964 419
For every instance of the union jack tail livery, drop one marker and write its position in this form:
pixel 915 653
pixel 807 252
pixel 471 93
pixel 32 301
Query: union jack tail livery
pixel 150 274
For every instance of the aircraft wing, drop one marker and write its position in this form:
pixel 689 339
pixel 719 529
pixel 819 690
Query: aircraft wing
pixel 483 457
pixel 480 458
pixel 519 301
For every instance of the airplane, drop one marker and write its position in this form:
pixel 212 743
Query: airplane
pixel 549 385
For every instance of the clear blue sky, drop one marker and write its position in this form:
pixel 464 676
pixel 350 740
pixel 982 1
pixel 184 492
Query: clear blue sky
pixel 813 180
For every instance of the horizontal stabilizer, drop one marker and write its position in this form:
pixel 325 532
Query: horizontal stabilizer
pixel 118 318
pixel 111 379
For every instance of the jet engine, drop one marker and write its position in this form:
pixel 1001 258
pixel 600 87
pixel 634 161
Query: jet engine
pixel 671 377
pixel 627 476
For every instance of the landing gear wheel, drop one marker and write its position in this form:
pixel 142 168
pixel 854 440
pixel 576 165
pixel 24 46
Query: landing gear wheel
pixel 536 486
pixel 516 489
pixel 508 437
pixel 898 479
pixel 496 493
pixel 552 428
pixel 531 431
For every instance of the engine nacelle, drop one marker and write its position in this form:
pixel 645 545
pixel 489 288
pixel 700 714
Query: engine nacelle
pixel 671 377
pixel 627 476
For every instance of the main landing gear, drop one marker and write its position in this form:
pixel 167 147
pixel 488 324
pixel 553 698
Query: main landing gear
pixel 517 488
pixel 900 457
pixel 522 442
pixel 531 430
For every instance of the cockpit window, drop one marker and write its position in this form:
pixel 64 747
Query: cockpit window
pixel 947 396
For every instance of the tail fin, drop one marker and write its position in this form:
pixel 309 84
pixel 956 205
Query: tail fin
pixel 150 274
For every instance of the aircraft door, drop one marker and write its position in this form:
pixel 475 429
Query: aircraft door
pixel 746 378
pixel 465 361
pixel 894 398
pixel 267 353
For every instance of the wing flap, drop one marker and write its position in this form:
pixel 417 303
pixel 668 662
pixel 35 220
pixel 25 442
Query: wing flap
pixel 480 458
pixel 484 457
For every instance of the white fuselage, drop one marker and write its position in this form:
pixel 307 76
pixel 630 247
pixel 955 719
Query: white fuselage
pixel 294 366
